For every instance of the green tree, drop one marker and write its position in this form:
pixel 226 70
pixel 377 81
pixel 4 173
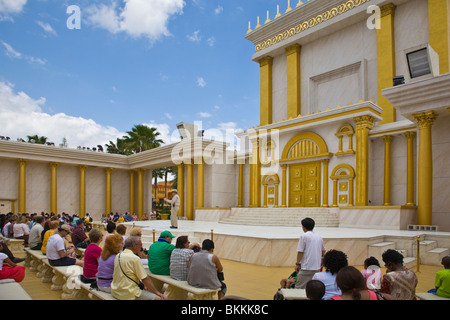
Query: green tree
pixel 37 139
pixel 142 138
pixel 120 147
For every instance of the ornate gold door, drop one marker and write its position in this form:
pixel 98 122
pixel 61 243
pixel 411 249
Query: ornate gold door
pixel 304 185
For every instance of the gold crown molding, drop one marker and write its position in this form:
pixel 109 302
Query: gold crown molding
pixel 308 24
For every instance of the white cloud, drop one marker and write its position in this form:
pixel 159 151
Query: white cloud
pixel 137 18
pixel 12 6
pixel 195 37
pixel 201 82
pixel 22 115
pixel 14 54
pixel 204 114
pixel 168 115
pixel 218 10
pixel 211 41
pixel 47 27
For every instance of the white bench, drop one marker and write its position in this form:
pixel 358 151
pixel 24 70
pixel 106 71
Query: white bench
pixel 34 260
pixel 94 294
pixel 181 290
pixel 11 290
pixel 429 296
pixel 294 294
pixel 14 245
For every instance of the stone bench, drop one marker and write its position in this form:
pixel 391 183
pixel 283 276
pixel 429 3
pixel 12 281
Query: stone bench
pixel 11 290
pixel 181 290
pixel 294 294
pixel 94 294
pixel 34 260
pixel 429 296
pixel 14 245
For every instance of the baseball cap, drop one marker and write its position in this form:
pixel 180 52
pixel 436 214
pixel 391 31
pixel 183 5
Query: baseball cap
pixel 166 234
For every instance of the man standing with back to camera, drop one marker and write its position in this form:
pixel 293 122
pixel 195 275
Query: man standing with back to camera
pixel 310 251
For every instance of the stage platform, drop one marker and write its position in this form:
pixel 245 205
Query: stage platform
pixel 275 246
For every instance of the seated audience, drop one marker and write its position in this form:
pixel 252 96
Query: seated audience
pixel 159 254
pixel 53 225
pixel 79 237
pixel 180 257
pixel 57 253
pixel 372 273
pixel 353 286
pixel 35 239
pixel 398 281
pixel 130 280
pixel 315 290
pixel 122 230
pixel 110 230
pixel 333 261
pixel 21 230
pixel 113 245
pixel 442 280
pixel 205 269
pixel 143 254
pixel 8 269
pixel 91 256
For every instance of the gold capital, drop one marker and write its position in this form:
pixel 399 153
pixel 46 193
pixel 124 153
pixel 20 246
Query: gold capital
pixel 425 119
pixel 265 61
pixel 363 122
pixel 388 10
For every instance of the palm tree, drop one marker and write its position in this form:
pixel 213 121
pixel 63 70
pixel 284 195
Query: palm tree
pixel 120 147
pixel 142 138
pixel 37 139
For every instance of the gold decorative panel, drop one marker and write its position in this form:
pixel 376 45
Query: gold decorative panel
pixel 343 186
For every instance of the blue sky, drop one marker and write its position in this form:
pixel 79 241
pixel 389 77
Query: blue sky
pixel 154 62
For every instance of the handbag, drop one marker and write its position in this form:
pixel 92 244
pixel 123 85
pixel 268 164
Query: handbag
pixel 139 284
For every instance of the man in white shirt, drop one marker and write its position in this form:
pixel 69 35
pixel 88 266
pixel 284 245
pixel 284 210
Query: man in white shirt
pixel 174 207
pixel 310 251
pixel 57 253
pixel 35 241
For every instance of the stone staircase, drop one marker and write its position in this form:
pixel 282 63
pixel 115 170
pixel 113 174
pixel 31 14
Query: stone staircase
pixel 287 217
pixel 430 253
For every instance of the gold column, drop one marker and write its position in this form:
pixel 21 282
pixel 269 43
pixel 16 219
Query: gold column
pixel 131 195
pixel 265 113
pixel 82 192
pixel 335 192
pixel 363 125
pixel 180 189
pixel 54 188
pixel 293 81
pixel 350 192
pixel 438 26
pixel 325 183
pixel 258 175
pixel 386 60
pixel 265 196
pixel 201 184
pixel 190 192
pixel 276 195
pixel 425 172
pixel 22 185
pixel 108 190
pixel 410 135
pixel 387 169
pixel 283 185
pixel 241 186
pixel 140 197
pixel 13 209
pixel 251 186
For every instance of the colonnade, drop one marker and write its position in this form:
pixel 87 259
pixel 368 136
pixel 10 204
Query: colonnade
pixel 185 189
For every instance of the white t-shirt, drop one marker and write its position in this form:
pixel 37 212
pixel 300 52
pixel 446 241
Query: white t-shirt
pixel 312 245
pixel 54 244
pixel 20 229
pixel 3 257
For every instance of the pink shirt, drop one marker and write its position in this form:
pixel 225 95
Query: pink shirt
pixel 91 256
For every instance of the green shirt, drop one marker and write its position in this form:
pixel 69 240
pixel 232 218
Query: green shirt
pixel 159 257
pixel 442 282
